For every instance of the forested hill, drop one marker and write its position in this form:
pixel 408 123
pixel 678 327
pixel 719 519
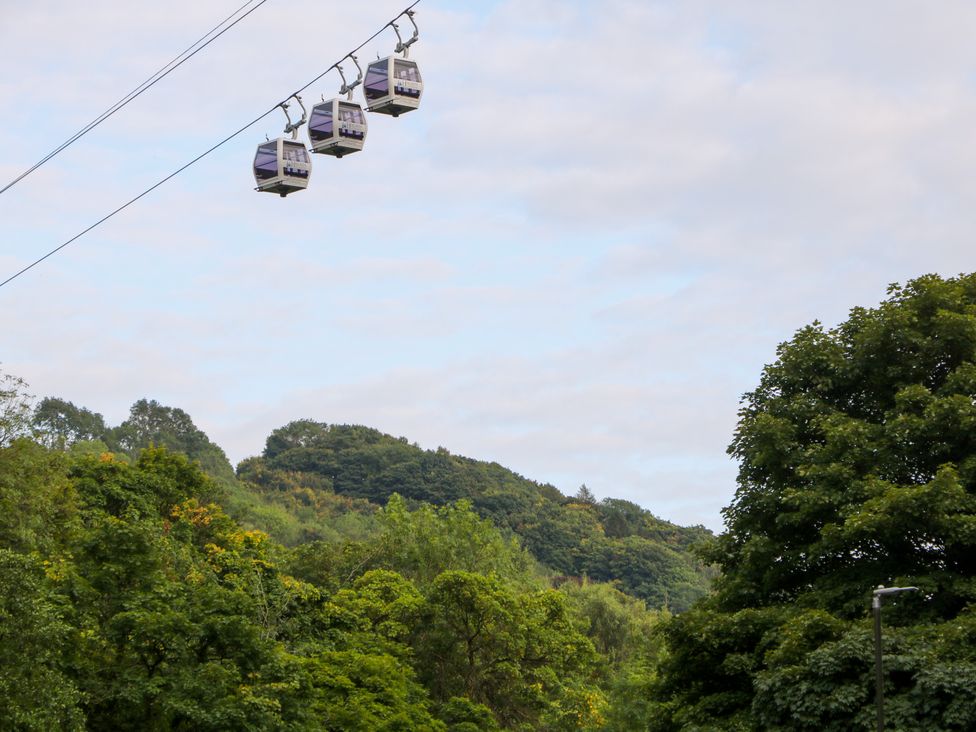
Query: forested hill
pixel 316 481
pixel 136 594
pixel 611 540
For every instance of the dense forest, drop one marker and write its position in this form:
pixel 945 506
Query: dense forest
pixel 316 481
pixel 343 580
pixel 613 540
pixel 348 580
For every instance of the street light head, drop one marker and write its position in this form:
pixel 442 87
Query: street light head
pixel 882 590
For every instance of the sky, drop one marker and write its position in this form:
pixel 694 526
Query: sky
pixel 573 259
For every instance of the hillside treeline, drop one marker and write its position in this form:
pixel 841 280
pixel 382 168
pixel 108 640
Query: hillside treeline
pixel 612 540
pixel 132 599
pixel 316 481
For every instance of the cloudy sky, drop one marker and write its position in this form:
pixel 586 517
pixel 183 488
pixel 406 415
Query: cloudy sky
pixel 573 259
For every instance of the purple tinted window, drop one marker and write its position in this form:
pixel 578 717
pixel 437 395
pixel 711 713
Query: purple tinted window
pixel 351 113
pixel 376 84
pixel 266 161
pixel 320 123
pixel 352 121
pixel 295 152
pixel 406 71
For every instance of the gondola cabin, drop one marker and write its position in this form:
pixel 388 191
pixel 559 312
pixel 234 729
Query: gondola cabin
pixel 337 127
pixel 282 166
pixel 392 86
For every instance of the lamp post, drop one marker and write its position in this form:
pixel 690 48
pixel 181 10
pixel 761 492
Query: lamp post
pixel 878 593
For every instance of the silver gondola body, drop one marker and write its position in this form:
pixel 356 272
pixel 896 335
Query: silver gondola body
pixel 282 166
pixel 392 86
pixel 337 127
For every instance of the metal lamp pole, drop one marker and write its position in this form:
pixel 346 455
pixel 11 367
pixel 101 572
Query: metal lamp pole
pixel 878 593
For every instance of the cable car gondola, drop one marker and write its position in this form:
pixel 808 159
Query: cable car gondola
pixel 393 84
pixel 283 165
pixel 338 126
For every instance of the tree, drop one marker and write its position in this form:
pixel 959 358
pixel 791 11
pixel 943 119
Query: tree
pixel 38 504
pixel 34 643
pixel 59 422
pixel 185 620
pixel 159 480
pixel 619 625
pixel 857 455
pixel 518 654
pixel 857 460
pixel 15 408
pixel 424 543
pixel 152 424
pixel 585 495
pixel 302 433
pixel 350 691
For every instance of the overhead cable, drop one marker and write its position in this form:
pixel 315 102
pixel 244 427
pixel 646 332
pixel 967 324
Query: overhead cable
pixel 181 59
pixel 207 152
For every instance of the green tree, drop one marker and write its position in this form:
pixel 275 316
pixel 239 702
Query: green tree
pixel 60 423
pixel 628 642
pixel 152 424
pixel 381 604
pixel 35 644
pixel 157 481
pixel 15 408
pixel 519 654
pixel 185 619
pixel 424 543
pixel 350 691
pixel 619 625
pixel 419 545
pixel 302 433
pixel 857 456
pixel 38 504
pixel 462 715
pixel 295 507
pixel 585 495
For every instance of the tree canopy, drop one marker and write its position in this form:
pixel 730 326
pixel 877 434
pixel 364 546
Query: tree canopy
pixel 857 456
pixel 15 408
pixel 857 459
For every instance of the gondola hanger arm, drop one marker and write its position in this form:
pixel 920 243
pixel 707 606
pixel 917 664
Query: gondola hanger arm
pixel 293 127
pixel 404 46
pixel 347 88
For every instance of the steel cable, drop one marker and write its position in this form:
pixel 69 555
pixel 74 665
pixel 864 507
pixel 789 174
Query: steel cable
pixel 207 152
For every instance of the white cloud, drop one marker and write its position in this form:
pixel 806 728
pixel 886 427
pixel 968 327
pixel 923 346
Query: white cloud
pixel 573 259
